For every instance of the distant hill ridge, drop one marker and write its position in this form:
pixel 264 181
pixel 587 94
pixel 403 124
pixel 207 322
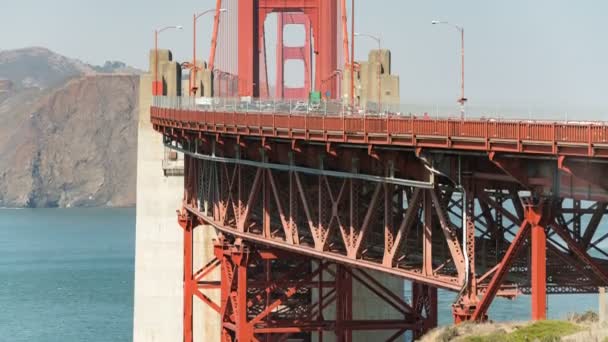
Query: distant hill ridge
pixel 68 131
pixel 38 67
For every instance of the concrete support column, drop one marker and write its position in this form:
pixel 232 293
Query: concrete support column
pixel 159 246
pixel 603 305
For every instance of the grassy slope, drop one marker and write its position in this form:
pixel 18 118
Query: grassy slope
pixel 541 331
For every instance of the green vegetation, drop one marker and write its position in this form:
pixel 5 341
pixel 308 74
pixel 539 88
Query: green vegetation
pixel 545 331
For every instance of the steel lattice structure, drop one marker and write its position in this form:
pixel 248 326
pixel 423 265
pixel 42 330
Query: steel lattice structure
pixel 480 223
pixel 307 202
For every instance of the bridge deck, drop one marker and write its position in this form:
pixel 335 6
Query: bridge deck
pixel 582 139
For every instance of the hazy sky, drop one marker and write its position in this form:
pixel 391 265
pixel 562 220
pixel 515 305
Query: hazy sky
pixel 541 53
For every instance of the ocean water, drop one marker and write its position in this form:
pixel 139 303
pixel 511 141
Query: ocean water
pixel 67 275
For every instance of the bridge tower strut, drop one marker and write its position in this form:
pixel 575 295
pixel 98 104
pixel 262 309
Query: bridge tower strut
pixel 300 53
pixel 322 18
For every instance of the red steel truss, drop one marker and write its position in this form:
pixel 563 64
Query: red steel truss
pixel 482 225
pixel 267 294
pixel 306 205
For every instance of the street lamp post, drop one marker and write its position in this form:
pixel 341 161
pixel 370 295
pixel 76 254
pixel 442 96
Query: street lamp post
pixel 379 41
pixel 352 56
pixel 460 29
pixel 156 33
pixel 194 66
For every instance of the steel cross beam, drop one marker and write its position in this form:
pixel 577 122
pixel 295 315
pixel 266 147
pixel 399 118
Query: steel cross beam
pixel 250 300
pixel 349 245
pixel 255 196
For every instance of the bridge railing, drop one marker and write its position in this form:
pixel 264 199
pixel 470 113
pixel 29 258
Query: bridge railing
pixel 338 116
pixel 337 107
pixel 240 105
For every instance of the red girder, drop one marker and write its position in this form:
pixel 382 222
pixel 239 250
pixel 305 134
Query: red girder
pixel 267 216
pixel 279 303
pixel 394 130
pixel 362 224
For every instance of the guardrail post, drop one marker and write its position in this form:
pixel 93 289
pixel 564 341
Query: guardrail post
pixel 387 134
pixel 365 124
pixel 589 141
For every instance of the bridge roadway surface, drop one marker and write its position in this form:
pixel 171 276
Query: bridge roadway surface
pixel 332 122
pixel 479 206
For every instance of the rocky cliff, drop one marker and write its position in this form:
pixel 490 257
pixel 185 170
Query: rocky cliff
pixel 68 140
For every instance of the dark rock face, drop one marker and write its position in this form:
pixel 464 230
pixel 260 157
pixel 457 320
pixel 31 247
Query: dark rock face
pixel 72 144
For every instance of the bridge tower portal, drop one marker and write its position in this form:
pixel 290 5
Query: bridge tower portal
pixel 322 17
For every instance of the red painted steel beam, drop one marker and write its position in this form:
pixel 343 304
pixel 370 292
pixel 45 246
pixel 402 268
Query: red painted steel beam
pixel 325 204
pixel 216 23
pixel 580 252
pixel 236 285
pixel 189 285
pixel 427 237
pixel 410 131
pixel 404 228
pixel 450 236
pixel 435 281
pixel 248 49
pixel 382 292
pixel 424 300
pixel 587 172
pixel 500 273
pixel 538 270
pixel 593 224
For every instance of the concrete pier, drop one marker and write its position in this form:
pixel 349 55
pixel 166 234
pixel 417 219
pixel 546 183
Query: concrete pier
pixel 158 303
pixel 602 305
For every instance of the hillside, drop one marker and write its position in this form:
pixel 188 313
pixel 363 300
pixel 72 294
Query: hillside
pixel 67 132
pixel 577 328
pixel 39 68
